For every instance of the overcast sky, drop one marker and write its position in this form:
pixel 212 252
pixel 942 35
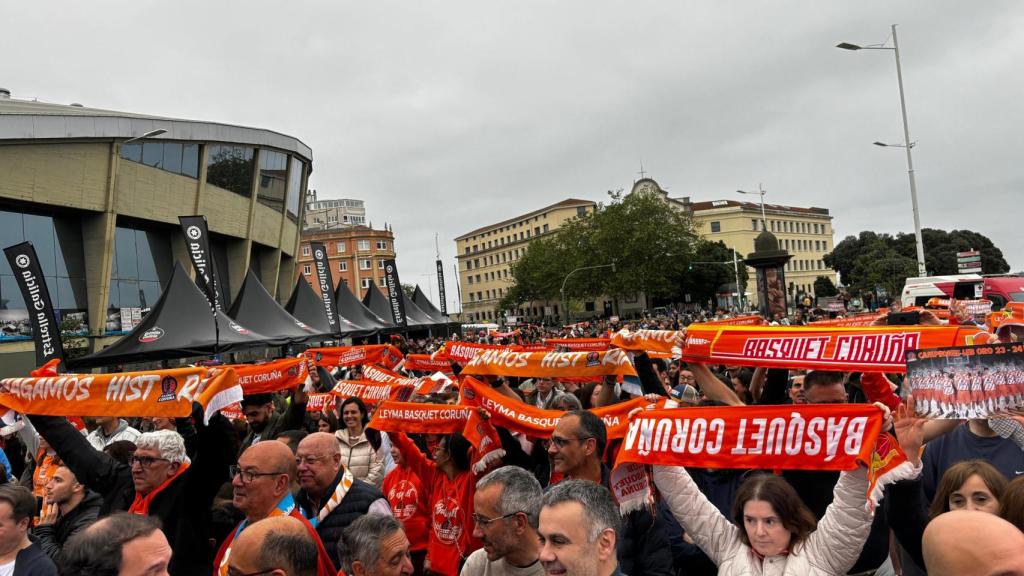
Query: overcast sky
pixel 446 116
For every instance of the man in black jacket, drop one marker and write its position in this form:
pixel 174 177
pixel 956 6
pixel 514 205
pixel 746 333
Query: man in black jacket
pixel 265 423
pixel 69 507
pixel 159 482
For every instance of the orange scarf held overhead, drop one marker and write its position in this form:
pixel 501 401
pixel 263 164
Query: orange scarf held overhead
pixel 383 354
pixel 578 344
pixel 271 376
pixel 424 363
pixel 551 364
pixel 417 418
pixel 462 352
pixel 749 320
pixel 368 391
pixel 141 503
pixel 663 341
pixel 867 349
pixel 517 416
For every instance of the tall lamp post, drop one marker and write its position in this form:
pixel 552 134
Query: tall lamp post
pixel 760 192
pixel 735 270
pixel 921 270
pixel 565 307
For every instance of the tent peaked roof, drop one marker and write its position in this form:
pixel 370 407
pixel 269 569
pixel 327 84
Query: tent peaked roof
pixel 377 302
pixel 350 307
pixel 421 300
pixel 415 314
pixel 179 325
pixel 307 307
pixel 256 308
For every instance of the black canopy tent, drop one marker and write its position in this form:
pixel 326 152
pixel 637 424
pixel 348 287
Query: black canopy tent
pixel 255 308
pixel 350 307
pixel 424 303
pixel 180 325
pixel 414 312
pixel 379 304
pixel 305 306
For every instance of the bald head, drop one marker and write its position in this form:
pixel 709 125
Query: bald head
pixel 322 442
pixel 266 471
pixel 280 542
pixel 994 548
pixel 319 461
pixel 274 455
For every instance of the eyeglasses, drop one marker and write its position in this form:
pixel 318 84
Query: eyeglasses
pixel 144 461
pixel 483 521
pixel 563 442
pixel 309 460
pixel 248 475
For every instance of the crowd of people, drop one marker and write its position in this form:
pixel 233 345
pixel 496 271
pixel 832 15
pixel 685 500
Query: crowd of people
pixel 286 491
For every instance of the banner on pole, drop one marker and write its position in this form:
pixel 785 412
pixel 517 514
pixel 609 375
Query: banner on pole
pixel 326 280
pixel 395 300
pixel 197 241
pixel 440 289
pixel 29 275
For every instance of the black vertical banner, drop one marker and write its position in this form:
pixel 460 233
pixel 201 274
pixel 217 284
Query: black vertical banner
pixel 326 280
pixel 395 300
pixel 440 288
pixel 197 242
pixel 45 330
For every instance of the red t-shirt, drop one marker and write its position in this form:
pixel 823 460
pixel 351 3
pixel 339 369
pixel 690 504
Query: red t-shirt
pixel 450 509
pixel 408 499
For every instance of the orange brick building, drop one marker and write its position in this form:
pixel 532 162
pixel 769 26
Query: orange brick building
pixel 356 255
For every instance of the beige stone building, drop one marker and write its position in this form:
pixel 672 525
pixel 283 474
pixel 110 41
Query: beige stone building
pixel 99 192
pixel 485 257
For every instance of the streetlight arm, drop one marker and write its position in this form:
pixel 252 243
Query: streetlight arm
pixel 562 289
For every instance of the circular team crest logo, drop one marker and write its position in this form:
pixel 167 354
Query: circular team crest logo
pixel 403 497
pixel 168 389
pixel 238 328
pixel 22 261
pixel 152 335
pixel 447 519
pixel 193 232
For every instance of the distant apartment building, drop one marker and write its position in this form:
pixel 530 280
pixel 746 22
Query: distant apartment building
pixel 356 255
pixel 485 257
pixel 333 213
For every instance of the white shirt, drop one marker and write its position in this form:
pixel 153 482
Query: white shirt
pixel 7 569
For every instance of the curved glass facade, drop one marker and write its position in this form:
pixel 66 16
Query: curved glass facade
pixel 142 266
pixel 176 157
pixel 273 178
pixel 230 168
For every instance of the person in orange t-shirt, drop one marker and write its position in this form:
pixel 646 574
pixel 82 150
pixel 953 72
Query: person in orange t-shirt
pixel 451 485
pixel 404 491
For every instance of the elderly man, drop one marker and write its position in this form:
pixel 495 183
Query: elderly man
pixel 158 481
pixel 262 483
pixel 68 508
pixel 969 543
pixel 577 445
pixel 119 544
pixel 506 506
pixel 329 496
pixel 579 530
pixel 19 552
pixel 278 546
pixel 375 545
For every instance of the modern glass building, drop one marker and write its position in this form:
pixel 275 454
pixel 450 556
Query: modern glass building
pixel 99 192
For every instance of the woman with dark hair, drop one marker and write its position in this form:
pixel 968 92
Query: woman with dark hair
pixel 772 530
pixel 969 485
pixel 1013 503
pixel 358 452
pixel 451 485
pixel 589 394
pixel 328 422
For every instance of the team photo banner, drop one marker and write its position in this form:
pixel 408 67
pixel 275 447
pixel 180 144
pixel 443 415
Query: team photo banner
pixel 796 437
pixel 384 354
pixel 868 349
pixel 416 418
pixel 663 341
pixel 164 393
pixel 967 382
pixel 517 416
pixel 271 376
pixel 550 364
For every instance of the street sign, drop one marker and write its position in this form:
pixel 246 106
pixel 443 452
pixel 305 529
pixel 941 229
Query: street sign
pixel 968 262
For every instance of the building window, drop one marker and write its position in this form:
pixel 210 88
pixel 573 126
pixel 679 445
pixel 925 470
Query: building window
pixel 470 278
pixel 380 264
pixel 230 168
pixel 381 282
pixel 174 157
pixel 342 266
pixel 545 226
pixel 477 278
pixel 581 210
pixel 273 179
pixel 305 250
pixel 295 173
pixel 306 270
pixel 716 227
pixel 367 282
pixel 753 223
pixel 366 264
pixel 467 249
pixel 363 245
pixel 382 244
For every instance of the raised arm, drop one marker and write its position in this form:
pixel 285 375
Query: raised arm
pixel 835 546
pixel 714 388
pixel 710 530
pixel 415 459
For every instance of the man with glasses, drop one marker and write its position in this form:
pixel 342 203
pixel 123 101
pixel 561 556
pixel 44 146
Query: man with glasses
pixel 279 546
pixel 159 480
pixel 505 515
pixel 577 449
pixel 329 497
pixel 262 482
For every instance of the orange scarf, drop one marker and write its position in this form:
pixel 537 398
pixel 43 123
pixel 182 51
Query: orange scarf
pixel 271 376
pixel 141 503
pixel 383 354
pixel 368 391
pixel 868 349
pixel 424 363
pixel 463 352
pixel 45 467
pixel 578 344
pixel 550 364
pixel 664 341
pixel 417 418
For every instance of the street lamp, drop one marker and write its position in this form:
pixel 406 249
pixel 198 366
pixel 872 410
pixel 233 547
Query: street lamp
pixel 150 134
pixel 565 307
pixel 906 138
pixel 760 192
pixel 736 272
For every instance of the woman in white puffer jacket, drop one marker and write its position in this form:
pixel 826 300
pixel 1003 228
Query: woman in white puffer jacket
pixel 774 532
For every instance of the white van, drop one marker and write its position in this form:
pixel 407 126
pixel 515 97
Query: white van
pixel 917 291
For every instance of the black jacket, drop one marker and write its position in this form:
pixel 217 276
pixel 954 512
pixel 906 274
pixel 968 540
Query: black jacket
pixel 183 506
pixel 53 536
pixel 292 419
pixel 32 561
pixel 355 504
pixel 643 549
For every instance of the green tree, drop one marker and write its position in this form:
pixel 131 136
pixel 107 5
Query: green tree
pixel 702 280
pixel 823 286
pixel 881 265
